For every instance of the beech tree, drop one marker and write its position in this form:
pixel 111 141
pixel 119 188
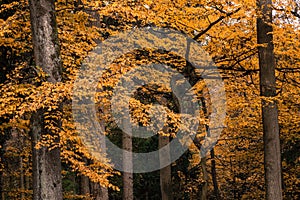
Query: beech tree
pixel 225 29
pixel 272 157
pixel 47 181
pixel 127 161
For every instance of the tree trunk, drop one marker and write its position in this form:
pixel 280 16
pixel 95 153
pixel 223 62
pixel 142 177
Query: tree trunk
pixel 214 175
pixel 205 179
pixel 1 186
pixel 1 172
pixel 22 186
pixel 127 162
pixel 212 154
pixel 272 158
pixel 84 185
pixel 165 172
pixel 234 188
pixel 98 192
pixel 47 182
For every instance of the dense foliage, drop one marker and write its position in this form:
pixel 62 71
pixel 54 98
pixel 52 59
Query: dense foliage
pixel 225 29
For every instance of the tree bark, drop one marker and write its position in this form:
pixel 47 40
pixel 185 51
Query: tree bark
pixel 22 186
pixel 84 185
pixel 204 186
pixel 47 183
pixel 214 175
pixel 1 186
pixel 98 192
pixel 127 161
pixel 272 158
pixel 165 172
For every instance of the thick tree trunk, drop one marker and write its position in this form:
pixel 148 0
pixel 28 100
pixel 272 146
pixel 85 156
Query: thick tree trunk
pixel 272 158
pixel 98 192
pixel 127 162
pixel 46 162
pixel 165 172
pixel 46 168
pixel 84 185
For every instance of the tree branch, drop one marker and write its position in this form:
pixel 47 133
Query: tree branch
pixel 215 22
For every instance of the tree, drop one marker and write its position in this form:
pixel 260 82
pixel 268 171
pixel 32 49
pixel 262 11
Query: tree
pixel 165 172
pixel 47 181
pixel 224 28
pixel 127 161
pixel 272 157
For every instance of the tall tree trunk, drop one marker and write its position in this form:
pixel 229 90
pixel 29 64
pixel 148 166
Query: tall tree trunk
pixel 1 171
pixel 165 172
pixel 99 192
pixel 127 161
pixel 22 176
pixel 22 186
pixel 1 186
pixel 234 188
pixel 47 182
pixel 212 154
pixel 84 185
pixel 104 193
pixel 205 179
pixel 272 158
pixel 214 175
pixel 104 190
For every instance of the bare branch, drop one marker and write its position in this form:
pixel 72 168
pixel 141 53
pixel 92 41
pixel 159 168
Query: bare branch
pixel 215 22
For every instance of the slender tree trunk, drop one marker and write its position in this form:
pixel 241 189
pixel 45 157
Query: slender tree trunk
pixel 205 178
pixel 127 162
pixel 272 158
pixel 22 186
pixel 22 176
pixel 165 172
pixel 234 188
pixel 212 154
pixel 27 182
pixel 1 186
pixel 46 162
pixel 104 190
pixel 214 175
pixel 1 172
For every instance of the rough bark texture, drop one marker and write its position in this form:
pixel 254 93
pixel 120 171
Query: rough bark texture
pixel 98 192
pixel 165 172
pixel 46 163
pixel 127 162
pixel 272 158
pixel 46 166
pixel 84 185
pixel 45 38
